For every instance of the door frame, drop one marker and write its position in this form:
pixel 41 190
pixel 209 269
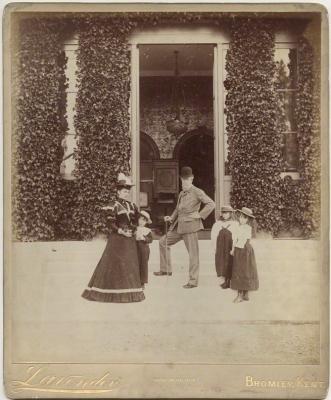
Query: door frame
pixel 181 33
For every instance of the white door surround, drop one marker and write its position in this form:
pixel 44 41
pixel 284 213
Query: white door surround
pixel 182 33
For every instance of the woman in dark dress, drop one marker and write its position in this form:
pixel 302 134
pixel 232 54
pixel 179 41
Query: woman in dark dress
pixel 116 278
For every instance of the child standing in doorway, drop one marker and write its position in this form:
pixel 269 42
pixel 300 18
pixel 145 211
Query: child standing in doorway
pixel 244 272
pixel 221 235
pixel 143 238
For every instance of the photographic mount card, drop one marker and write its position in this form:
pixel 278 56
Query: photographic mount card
pixel 89 92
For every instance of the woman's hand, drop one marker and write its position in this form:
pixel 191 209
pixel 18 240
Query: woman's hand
pixel 232 252
pixel 125 233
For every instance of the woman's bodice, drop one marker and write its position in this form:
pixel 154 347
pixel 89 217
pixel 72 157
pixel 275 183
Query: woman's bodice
pixel 121 214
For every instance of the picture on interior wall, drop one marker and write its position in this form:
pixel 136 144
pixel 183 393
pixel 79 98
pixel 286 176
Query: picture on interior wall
pixel 166 201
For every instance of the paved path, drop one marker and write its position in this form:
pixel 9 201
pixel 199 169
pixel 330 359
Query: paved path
pixel 53 323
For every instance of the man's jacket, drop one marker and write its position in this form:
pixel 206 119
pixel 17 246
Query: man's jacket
pixel 187 214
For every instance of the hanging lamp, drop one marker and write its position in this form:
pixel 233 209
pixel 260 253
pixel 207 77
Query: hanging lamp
pixel 175 125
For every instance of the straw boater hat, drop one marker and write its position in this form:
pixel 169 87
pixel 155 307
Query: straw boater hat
pixel 227 209
pixel 124 181
pixel 146 215
pixel 246 211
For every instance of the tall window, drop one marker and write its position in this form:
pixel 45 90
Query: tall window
pixel 225 133
pixel 286 57
pixel 68 95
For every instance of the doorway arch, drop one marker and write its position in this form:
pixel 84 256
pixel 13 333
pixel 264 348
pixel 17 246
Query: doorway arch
pixel 148 148
pixel 196 150
pixel 148 153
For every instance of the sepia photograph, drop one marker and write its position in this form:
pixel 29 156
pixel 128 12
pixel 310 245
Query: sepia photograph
pixel 166 200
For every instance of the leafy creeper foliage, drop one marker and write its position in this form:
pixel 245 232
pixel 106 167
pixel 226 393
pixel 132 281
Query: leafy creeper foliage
pixel 36 129
pixel 41 207
pixel 102 120
pixel 302 201
pixel 254 123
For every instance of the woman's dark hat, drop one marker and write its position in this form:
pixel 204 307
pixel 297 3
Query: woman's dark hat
pixel 186 172
pixel 124 181
pixel 246 211
pixel 146 215
pixel 227 209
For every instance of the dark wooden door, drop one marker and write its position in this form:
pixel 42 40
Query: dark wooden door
pixel 197 152
pixel 146 186
pixel 166 188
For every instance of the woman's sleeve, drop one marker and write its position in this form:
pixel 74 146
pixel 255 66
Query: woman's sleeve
pixel 249 232
pixel 111 217
pixel 149 238
pixel 136 215
pixel 215 230
pixel 235 233
pixel 214 233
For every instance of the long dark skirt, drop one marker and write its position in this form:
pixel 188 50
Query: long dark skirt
pixel 223 258
pixel 244 272
pixel 116 278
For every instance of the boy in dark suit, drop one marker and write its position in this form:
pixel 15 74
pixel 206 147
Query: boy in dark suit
pixel 143 239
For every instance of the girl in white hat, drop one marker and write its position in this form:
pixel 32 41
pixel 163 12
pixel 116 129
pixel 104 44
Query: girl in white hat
pixel 221 236
pixel 244 272
pixel 143 238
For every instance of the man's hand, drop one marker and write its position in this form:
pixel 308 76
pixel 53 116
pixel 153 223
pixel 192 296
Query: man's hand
pixel 167 219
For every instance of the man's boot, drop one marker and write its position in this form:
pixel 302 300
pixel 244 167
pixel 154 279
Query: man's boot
pixel 245 295
pixel 239 298
pixel 226 284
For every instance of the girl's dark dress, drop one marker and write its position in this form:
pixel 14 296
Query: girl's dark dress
pixel 223 259
pixel 116 278
pixel 244 273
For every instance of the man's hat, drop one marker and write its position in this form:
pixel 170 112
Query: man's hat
pixel 124 181
pixel 246 211
pixel 186 172
pixel 227 209
pixel 146 215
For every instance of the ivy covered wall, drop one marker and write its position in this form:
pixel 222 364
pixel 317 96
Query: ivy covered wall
pixel 37 73
pixel 302 202
pixel 42 201
pixel 254 122
pixel 102 120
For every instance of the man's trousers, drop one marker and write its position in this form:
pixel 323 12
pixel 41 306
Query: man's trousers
pixel 192 246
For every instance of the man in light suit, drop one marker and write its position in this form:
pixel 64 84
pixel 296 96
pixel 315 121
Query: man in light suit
pixel 185 224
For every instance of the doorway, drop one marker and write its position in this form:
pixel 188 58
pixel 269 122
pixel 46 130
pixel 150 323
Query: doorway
pixel 196 150
pixel 196 64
